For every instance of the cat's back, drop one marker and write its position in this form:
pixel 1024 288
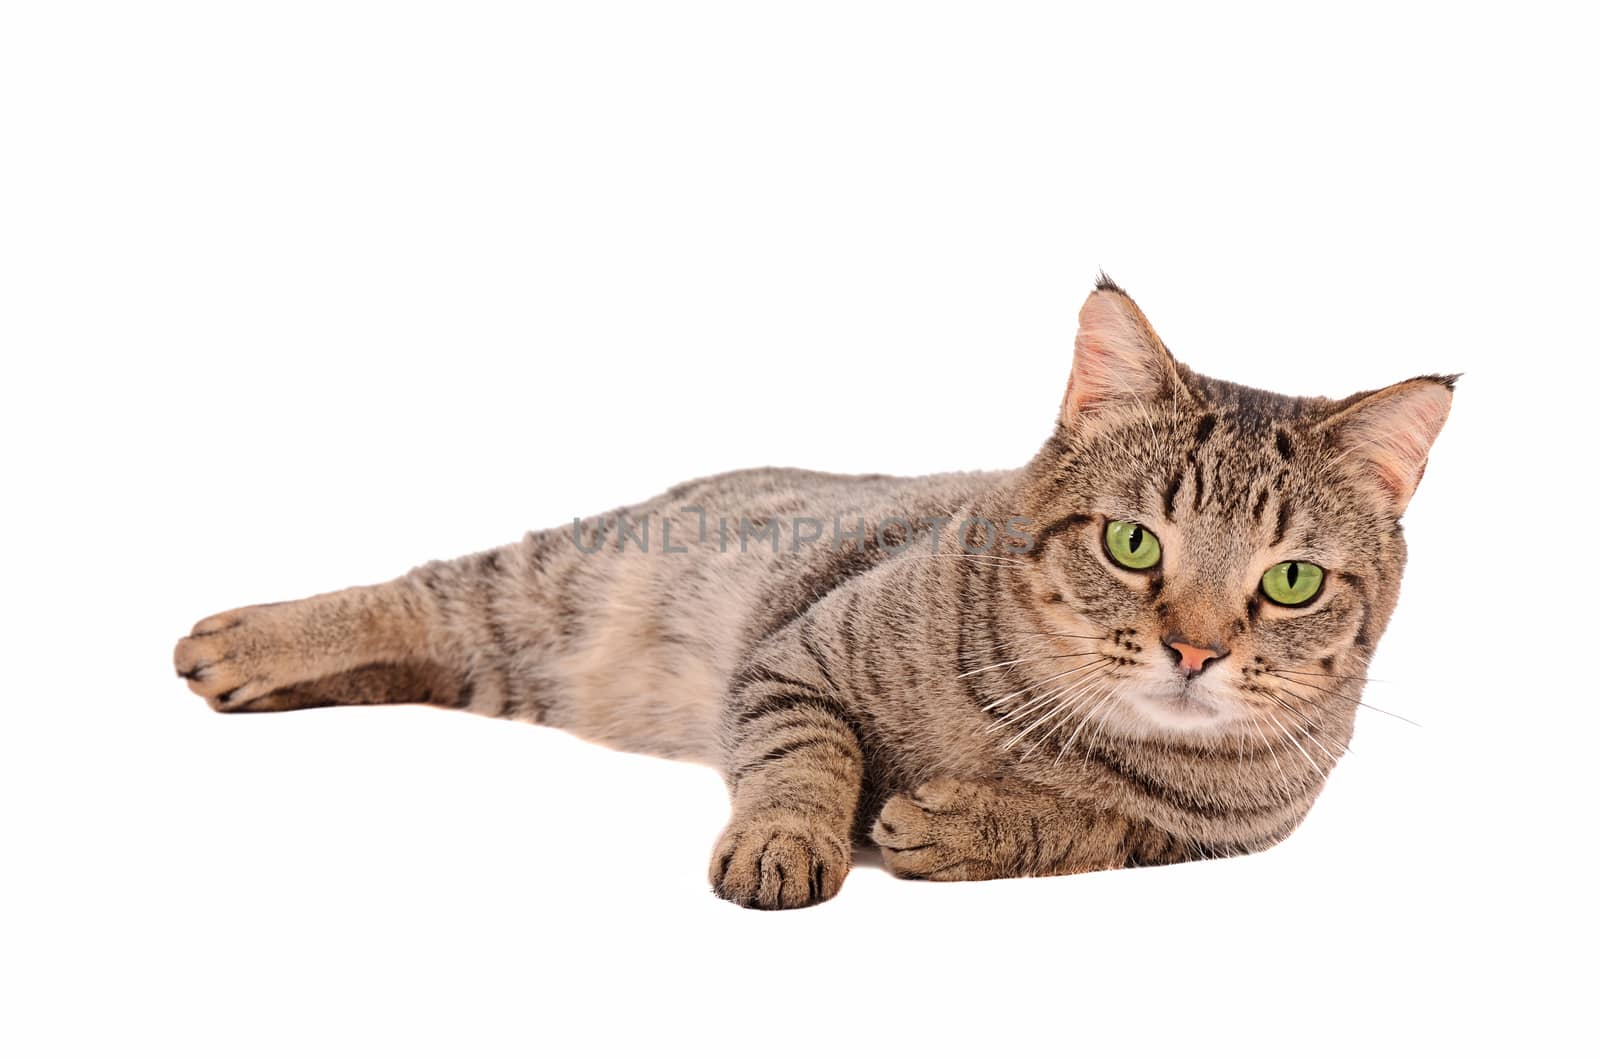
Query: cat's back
pixel 766 492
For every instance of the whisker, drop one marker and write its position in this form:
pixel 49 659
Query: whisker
pixel 1055 633
pixel 1074 697
pixel 1303 752
pixel 1099 705
pixel 1037 703
pixel 1027 658
pixel 1101 709
pixel 1094 737
pixel 1305 729
pixel 1067 710
pixel 1036 684
pixel 1343 677
pixel 1266 741
pixel 1063 691
pixel 986 669
pixel 1020 692
pixel 1351 699
pixel 1085 709
pixel 1042 719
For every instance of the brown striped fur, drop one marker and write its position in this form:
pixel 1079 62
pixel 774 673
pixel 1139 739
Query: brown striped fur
pixel 1000 714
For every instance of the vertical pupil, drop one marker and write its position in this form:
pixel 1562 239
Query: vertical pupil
pixel 1293 574
pixel 1134 539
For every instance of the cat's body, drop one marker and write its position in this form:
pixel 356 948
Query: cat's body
pixel 1009 700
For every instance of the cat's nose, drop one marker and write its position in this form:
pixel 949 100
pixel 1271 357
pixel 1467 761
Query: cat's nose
pixel 1192 659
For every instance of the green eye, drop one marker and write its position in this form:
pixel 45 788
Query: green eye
pixel 1132 546
pixel 1292 583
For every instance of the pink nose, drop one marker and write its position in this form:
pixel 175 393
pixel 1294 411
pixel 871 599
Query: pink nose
pixel 1191 660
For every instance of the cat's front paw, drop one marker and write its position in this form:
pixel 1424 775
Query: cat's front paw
pixel 778 863
pixel 232 659
pixel 943 831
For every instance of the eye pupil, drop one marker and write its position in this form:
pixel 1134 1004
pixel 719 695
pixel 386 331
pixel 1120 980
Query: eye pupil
pixel 1292 583
pixel 1130 546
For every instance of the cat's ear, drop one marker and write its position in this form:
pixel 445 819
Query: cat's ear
pixel 1387 433
pixel 1118 359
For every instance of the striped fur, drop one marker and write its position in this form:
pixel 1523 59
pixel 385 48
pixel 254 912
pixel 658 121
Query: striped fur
pixel 1011 712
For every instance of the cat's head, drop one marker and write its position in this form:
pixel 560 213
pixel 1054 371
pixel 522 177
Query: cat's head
pixel 1232 555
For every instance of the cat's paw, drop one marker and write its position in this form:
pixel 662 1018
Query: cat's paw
pixel 778 863
pixel 943 831
pixel 233 659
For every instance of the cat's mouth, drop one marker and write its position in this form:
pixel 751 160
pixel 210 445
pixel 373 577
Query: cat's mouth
pixel 1188 707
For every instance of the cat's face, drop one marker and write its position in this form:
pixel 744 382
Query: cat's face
pixel 1221 560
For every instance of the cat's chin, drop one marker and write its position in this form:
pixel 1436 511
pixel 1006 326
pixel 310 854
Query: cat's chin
pixel 1185 709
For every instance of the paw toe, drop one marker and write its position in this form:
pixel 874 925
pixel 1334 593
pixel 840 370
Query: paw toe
pixel 781 865
pixel 925 836
pixel 206 666
pixel 901 823
pixel 223 663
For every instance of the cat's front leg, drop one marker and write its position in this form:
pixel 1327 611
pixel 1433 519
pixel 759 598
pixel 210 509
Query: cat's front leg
pixel 951 829
pixel 795 765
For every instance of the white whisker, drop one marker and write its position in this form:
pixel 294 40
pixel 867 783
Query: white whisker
pixel 1082 688
pixel 1099 705
pixel 1039 702
pixel 1067 710
pixel 1305 729
pixel 1303 752
pixel 1267 743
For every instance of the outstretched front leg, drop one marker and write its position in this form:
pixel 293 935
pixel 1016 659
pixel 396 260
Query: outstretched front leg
pixel 795 763
pixel 977 830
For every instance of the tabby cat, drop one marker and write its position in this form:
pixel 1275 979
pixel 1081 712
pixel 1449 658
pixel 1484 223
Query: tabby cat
pixel 1145 646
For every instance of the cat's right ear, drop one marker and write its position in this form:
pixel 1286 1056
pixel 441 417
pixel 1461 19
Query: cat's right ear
pixel 1118 359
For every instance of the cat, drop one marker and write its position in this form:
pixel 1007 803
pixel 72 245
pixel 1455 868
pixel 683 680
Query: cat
pixel 1145 646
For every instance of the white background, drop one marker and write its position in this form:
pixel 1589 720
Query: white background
pixel 296 295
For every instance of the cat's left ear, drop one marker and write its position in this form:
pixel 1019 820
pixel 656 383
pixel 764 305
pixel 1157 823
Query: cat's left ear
pixel 1387 433
pixel 1118 359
